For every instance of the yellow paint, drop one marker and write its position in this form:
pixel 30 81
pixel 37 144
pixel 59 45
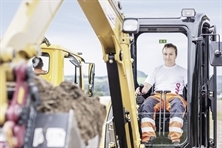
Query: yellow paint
pixel 10 138
pixel 3 94
pixel 31 7
pixel 21 93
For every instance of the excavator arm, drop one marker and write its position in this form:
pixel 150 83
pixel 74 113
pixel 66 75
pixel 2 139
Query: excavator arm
pixel 22 38
pixel 19 43
pixel 106 19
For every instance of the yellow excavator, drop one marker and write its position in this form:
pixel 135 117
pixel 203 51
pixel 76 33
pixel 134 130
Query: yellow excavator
pixel 118 36
pixel 58 59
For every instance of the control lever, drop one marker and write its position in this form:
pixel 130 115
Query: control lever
pixel 141 87
pixel 164 111
pixel 140 98
pixel 160 92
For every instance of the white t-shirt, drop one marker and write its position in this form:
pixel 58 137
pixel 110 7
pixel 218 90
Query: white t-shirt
pixel 168 78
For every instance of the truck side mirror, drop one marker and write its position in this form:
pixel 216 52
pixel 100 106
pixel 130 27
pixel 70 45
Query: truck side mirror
pixel 91 76
pixel 74 61
pixel 215 53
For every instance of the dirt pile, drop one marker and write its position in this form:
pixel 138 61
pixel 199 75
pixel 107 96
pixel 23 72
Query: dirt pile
pixel 89 112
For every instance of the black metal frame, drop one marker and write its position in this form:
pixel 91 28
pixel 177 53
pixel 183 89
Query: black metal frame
pixel 198 76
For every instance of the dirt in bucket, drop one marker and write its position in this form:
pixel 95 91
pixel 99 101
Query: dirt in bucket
pixel 89 112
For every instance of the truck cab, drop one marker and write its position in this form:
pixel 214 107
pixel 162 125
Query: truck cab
pixel 62 64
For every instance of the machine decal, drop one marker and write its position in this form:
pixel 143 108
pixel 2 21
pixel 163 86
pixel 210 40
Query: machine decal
pixel 38 137
pixel 55 137
pixel 162 41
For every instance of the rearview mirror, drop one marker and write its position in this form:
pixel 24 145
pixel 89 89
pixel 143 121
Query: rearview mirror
pixel 74 61
pixel 91 76
pixel 215 53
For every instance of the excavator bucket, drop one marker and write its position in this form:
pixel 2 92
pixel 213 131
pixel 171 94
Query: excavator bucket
pixel 48 132
pixel 40 115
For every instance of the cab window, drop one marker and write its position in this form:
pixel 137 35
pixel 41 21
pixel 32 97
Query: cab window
pixel 149 56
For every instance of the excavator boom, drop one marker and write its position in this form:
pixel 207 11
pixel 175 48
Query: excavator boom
pixel 116 54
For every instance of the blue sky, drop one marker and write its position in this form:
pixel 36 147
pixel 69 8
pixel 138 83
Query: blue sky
pixel 71 29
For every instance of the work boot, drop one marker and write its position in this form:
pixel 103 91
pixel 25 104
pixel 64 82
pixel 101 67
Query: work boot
pixel 149 143
pixel 175 143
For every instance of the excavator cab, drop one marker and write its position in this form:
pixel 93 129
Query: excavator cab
pixel 68 66
pixel 199 51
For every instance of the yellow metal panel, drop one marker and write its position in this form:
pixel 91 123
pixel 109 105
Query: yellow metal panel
pixel 21 93
pixel 3 94
pixel 57 54
pixel 55 73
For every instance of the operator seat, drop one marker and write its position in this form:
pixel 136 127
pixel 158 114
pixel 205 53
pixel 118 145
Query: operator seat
pixel 140 99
